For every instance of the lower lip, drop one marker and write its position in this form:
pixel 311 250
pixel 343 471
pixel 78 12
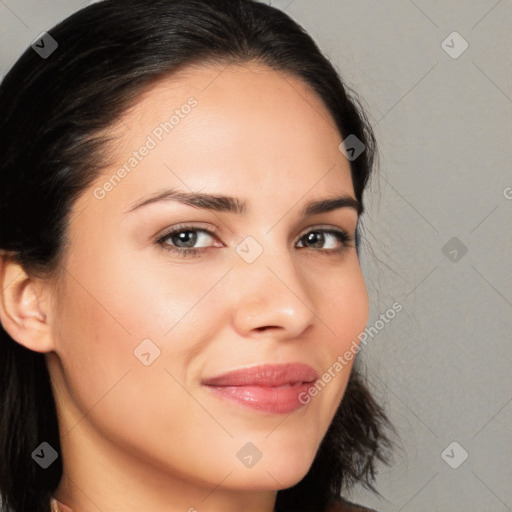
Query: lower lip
pixel 277 400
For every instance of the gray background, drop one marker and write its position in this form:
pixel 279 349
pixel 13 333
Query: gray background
pixel 442 365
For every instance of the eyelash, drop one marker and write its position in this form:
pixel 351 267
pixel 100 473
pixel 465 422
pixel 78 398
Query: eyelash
pixel 342 236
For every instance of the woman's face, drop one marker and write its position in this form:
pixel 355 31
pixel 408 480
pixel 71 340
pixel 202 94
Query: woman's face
pixel 144 318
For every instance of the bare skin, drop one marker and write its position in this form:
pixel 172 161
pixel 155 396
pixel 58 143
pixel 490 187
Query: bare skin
pixel 138 438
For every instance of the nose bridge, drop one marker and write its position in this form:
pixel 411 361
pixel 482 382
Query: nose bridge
pixel 269 288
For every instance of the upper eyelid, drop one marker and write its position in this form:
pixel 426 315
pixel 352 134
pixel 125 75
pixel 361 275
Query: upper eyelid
pixel 186 227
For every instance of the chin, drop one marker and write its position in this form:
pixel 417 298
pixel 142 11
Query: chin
pixel 266 481
pixel 291 472
pixel 280 471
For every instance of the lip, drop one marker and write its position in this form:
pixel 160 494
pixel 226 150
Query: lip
pixel 271 388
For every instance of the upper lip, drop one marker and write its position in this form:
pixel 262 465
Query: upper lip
pixel 267 375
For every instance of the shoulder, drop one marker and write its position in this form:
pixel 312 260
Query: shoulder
pixel 347 506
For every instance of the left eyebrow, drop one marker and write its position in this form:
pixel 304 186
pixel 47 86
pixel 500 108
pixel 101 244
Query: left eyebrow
pixel 234 205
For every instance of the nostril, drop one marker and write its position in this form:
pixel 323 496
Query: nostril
pixel 264 328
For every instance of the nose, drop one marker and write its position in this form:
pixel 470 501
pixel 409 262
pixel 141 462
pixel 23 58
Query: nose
pixel 272 298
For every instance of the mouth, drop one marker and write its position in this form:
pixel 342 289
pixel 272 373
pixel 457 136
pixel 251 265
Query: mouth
pixel 274 389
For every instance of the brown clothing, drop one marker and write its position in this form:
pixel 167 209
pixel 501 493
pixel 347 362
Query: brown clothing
pixel 346 506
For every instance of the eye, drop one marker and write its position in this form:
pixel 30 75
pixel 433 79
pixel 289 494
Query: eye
pixel 183 240
pixel 338 240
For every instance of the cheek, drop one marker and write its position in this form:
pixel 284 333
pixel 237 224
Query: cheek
pixel 345 303
pixel 93 344
pixel 109 310
pixel 342 307
pixel 156 297
pixel 106 384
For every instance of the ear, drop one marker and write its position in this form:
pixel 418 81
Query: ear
pixel 24 307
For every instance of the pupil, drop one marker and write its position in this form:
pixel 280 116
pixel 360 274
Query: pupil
pixel 315 238
pixel 188 237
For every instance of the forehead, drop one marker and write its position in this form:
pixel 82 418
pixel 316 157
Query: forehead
pixel 237 129
pixel 251 97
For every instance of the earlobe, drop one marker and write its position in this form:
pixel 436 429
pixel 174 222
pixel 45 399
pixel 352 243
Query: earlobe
pixel 22 311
